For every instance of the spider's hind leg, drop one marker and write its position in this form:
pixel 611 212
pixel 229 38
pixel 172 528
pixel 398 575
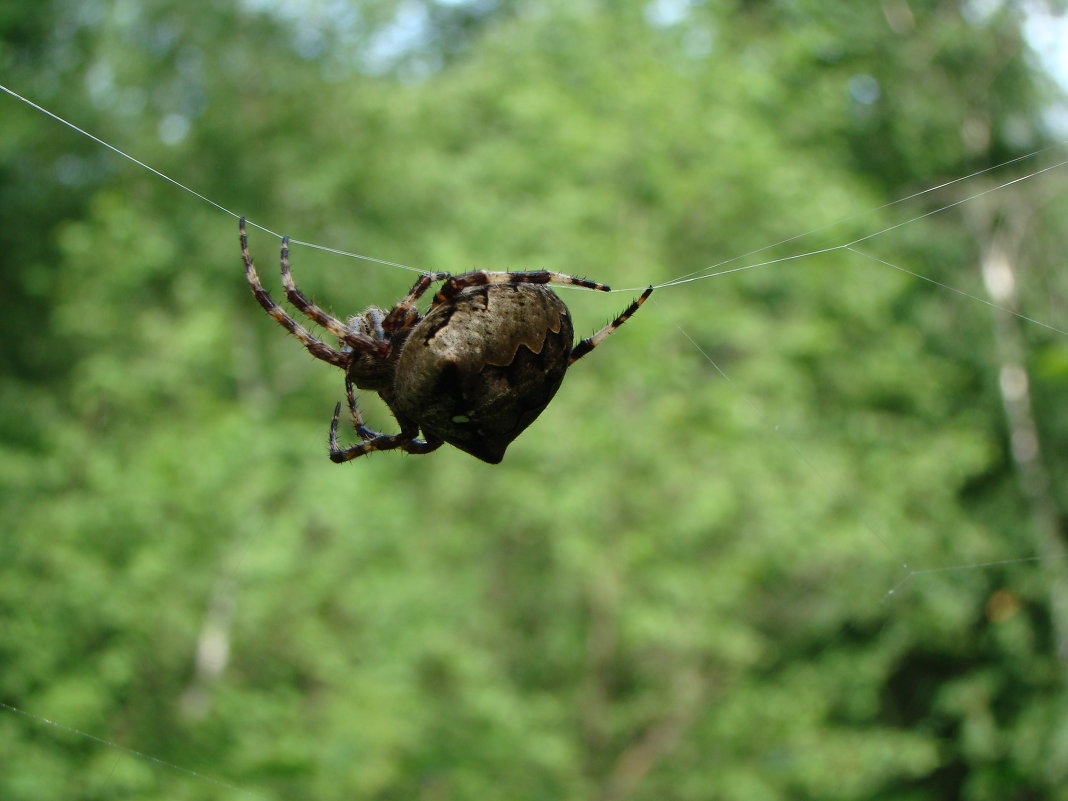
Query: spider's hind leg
pixel 589 343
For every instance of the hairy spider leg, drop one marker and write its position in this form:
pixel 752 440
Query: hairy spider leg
pixel 404 314
pixel 357 418
pixel 379 442
pixel 419 447
pixel 316 314
pixel 588 344
pixel 318 349
pixel 457 283
pixel 404 441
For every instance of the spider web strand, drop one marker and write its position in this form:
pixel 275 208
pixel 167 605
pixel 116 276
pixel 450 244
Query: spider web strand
pixel 956 203
pixel 42 721
pixel 973 566
pixel 786 442
pixel 702 274
pixel 866 212
pixel 976 298
pixel 193 192
pixel 685 280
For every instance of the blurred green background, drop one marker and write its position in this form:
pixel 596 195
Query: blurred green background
pixel 678 584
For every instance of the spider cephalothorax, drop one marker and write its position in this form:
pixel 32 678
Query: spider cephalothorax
pixel 474 371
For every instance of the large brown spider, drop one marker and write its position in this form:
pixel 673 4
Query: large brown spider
pixel 474 371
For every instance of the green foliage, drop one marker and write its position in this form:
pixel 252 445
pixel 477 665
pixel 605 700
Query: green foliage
pixel 673 587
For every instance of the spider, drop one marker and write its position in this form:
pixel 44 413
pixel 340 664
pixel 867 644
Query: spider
pixel 474 371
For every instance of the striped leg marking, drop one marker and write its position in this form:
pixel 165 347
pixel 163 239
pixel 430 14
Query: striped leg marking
pixel 588 344
pixel 404 314
pixel 313 312
pixel 354 412
pixel 317 348
pixel 458 283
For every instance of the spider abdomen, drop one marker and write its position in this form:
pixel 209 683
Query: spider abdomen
pixel 481 367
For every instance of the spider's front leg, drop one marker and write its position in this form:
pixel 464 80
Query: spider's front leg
pixel 318 349
pixel 404 314
pixel 351 338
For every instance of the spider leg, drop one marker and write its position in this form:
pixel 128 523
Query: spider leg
pixel 380 442
pixel 418 446
pixel 457 283
pixel 327 321
pixel 318 349
pixel 588 344
pixel 357 418
pixel 373 441
pixel 404 314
